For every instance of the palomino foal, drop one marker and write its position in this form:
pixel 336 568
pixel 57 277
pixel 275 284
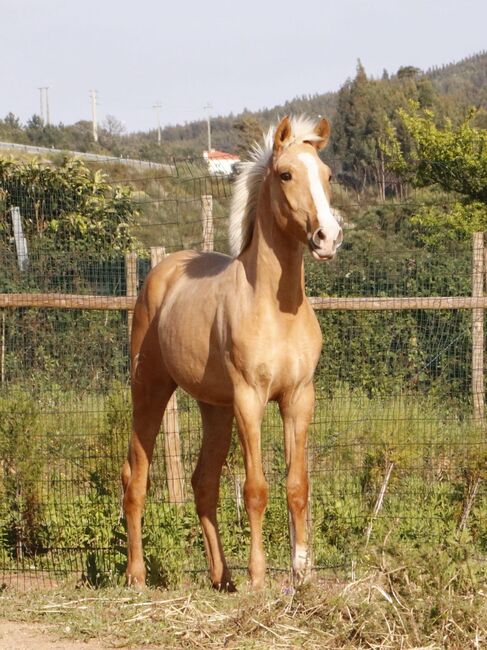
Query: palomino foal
pixel 235 333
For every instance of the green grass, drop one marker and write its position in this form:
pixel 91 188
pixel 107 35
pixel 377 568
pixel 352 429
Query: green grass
pixel 60 491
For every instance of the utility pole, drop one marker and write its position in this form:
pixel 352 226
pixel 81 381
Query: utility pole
pixel 158 107
pixel 41 93
pixel 93 114
pixel 48 115
pixel 208 107
pixel 44 97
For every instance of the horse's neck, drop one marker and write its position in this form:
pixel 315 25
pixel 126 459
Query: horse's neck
pixel 274 263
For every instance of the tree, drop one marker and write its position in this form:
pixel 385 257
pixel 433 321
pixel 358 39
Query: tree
pixel 449 158
pixel 113 126
pixel 363 111
pixel 249 130
pixel 12 121
pixel 35 123
pixel 408 72
pixel 349 139
pixel 11 130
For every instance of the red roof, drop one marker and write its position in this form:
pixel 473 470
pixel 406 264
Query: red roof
pixel 220 155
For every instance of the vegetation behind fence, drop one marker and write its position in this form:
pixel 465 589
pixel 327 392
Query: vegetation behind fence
pixel 397 446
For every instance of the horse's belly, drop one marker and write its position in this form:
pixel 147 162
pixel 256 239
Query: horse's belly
pixel 211 385
pixel 193 358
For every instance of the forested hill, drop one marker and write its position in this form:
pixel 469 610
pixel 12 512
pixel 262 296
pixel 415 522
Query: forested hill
pixel 458 85
pixel 467 78
pixel 357 110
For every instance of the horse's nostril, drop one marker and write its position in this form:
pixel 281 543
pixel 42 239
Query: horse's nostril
pixel 320 234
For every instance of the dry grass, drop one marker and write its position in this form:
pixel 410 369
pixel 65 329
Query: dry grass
pixel 433 601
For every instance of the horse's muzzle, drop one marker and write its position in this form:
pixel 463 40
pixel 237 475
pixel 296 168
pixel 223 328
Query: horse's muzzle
pixel 322 246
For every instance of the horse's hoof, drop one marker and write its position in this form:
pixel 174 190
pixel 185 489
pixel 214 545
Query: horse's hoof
pixel 301 578
pixel 257 584
pixel 227 586
pixel 135 582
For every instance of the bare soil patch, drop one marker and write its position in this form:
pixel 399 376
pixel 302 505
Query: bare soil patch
pixel 36 636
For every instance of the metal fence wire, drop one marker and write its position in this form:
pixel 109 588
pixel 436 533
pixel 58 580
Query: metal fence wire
pixel 397 446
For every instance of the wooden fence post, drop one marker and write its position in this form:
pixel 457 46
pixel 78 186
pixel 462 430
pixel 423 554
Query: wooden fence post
pixel 478 395
pixel 2 354
pixel 157 254
pixel 310 560
pixel 207 221
pixel 131 281
pixel 170 423
pixel 19 238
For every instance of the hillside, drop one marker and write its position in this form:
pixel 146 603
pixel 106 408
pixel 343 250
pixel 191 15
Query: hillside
pixel 467 79
pixel 463 84
pixel 450 90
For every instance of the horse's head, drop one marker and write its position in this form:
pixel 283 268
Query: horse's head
pixel 300 185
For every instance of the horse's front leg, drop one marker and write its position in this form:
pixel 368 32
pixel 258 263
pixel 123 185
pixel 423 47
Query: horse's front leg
pixel 297 410
pixel 249 410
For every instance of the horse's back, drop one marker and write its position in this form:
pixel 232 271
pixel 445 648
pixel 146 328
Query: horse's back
pixel 164 277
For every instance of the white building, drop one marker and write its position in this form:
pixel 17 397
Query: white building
pixel 220 163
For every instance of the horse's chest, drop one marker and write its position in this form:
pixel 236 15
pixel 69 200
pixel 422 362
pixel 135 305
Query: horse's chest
pixel 293 365
pixel 280 360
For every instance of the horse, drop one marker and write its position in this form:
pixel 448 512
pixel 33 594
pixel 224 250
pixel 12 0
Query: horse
pixel 236 332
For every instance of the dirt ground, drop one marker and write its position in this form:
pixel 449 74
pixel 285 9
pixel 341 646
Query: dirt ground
pixel 34 636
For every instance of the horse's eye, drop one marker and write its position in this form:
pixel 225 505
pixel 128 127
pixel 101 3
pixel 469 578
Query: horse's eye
pixel 286 176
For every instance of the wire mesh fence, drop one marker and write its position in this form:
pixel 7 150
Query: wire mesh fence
pixel 396 446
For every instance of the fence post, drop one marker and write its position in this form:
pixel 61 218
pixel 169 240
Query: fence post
pixel 207 221
pixel 19 237
pixel 310 560
pixel 157 254
pixel 478 395
pixel 170 423
pixel 2 354
pixel 131 281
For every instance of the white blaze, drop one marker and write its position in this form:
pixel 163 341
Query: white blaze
pixel 325 216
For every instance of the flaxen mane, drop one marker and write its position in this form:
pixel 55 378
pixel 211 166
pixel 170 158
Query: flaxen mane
pixel 248 183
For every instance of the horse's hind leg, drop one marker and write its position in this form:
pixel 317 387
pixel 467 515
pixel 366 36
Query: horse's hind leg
pixel 217 430
pixel 151 391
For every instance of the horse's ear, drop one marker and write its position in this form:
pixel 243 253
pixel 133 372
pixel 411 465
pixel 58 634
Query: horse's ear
pixel 322 130
pixel 283 134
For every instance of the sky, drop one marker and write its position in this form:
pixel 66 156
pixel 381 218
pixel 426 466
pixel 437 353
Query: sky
pixel 230 54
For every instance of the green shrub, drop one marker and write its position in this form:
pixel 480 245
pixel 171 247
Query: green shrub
pixel 22 521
